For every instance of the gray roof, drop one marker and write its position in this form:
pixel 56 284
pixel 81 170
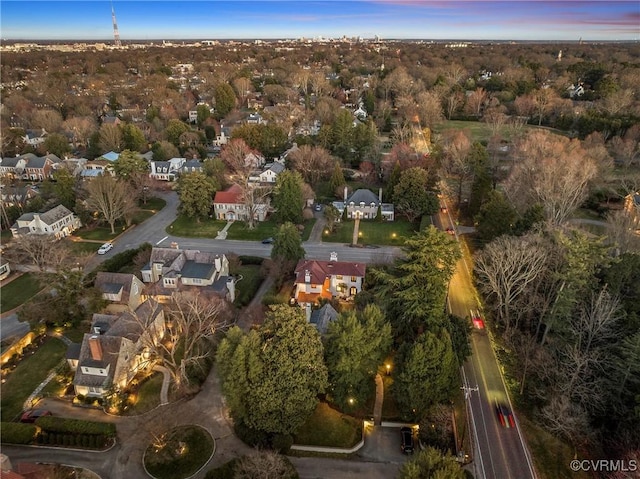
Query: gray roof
pixel 55 214
pixel 73 351
pixel 110 350
pixel 363 196
pixel 636 199
pixel 192 164
pixel 10 161
pixel 276 167
pixel 191 269
pixel 37 162
pixel 321 317
pixel 112 288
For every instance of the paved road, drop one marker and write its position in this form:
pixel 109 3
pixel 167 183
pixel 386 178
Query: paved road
pixel 500 452
pixel 153 231
pixel 10 326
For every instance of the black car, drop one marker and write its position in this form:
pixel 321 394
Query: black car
pixel 406 446
pixel 268 241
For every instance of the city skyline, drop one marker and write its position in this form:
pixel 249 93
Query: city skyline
pixel 388 19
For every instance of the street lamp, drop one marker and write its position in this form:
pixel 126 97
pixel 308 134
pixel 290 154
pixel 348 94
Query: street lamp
pixel 350 401
pixel 388 366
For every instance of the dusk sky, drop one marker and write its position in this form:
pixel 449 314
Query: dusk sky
pixel 204 20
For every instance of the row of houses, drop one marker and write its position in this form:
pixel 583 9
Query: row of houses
pixel 118 344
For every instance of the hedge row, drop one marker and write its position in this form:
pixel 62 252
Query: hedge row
pixel 17 432
pixel 245 259
pixel 54 424
pixel 85 441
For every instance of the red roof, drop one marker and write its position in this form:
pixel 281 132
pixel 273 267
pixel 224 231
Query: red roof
pixel 320 270
pixel 230 196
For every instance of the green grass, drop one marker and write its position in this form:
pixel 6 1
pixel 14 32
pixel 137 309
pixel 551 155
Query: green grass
pixel 18 291
pixel 190 228
pixel 29 373
pixel 247 287
pixel 5 236
pixel 327 427
pixel 155 204
pixel 167 464
pixel 147 396
pixel 79 247
pixel 482 131
pixel 388 233
pixel 98 233
pixel 142 215
pixel 263 229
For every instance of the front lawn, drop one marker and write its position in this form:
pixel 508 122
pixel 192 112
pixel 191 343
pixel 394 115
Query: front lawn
pixel 98 233
pixel 80 247
pixel 190 228
pixel 388 233
pixel 330 428
pixel 147 395
pixel 247 287
pixel 154 204
pixel 29 373
pixel 19 291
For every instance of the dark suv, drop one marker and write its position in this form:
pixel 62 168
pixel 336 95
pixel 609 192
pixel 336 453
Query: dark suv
pixel 407 440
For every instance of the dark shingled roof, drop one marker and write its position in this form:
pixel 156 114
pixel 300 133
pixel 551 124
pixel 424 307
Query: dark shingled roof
pixel 321 318
pixel 191 269
pixel 320 270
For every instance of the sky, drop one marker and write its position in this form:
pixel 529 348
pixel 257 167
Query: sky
pixel 267 19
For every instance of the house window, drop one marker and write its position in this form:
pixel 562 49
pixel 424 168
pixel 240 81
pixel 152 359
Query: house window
pixel 353 279
pixel 338 276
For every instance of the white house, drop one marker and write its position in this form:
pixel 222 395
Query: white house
pixel 269 174
pixel 229 206
pixel 317 280
pixel 166 170
pixel 364 204
pixel 58 221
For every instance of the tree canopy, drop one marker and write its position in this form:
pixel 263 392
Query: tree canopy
pixel 196 192
pixel 271 376
pixel 287 197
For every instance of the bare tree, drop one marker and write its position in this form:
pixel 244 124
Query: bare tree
pixel 313 162
pixel 453 101
pixel 507 269
pixel 113 199
pixel 456 148
pixel 554 172
pixel 193 319
pixel 263 465
pixel 475 101
pixel 48 120
pixel 43 251
pixel 622 232
pixel 81 128
pixel 110 137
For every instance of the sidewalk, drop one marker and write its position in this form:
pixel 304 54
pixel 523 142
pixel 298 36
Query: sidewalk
pixel 223 233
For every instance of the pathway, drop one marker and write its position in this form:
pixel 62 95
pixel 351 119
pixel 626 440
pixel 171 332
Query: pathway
pixel 223 233
pixel 377 408
pixel 166 382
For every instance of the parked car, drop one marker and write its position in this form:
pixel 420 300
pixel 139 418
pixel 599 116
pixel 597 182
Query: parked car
pixel 406 434
pixel 32 414
pixel 268 241
pixel 105 248
pixel 318 207
pixel 477 320
pixel 505 416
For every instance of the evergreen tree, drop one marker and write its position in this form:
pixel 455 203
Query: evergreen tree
pixel 337 180
pixel 132 138
pixel 410 194
pixel 496 217
pixel 427 373
pixel 287 197
pixel 196 192
pixel 128 164
pixel 271 377
pixel 225 100
pixel 431 463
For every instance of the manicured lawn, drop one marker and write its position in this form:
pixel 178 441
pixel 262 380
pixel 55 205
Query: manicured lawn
pixel 388 233
pixel 19 291
pixel 247 287
pixel 98 233
pixel 29 373
pixel 481 131
pixel 79 247
pixel 328 427
pixel 142 215
pixel 262 230
pixel 169 463
pixel 147 396
pixel 190 228
pixel 154 203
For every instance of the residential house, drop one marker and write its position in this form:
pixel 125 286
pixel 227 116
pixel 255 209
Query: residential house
pixel 254 160
pixel 123 291
pixel 13 167
pixel 35 137
pixel 40 168
pixel 166 170
pixel 321 317
pixel 18 195
pixel 58 221
pixel 315 280
pixel 5 269
pixel 255 119
pixel 364 204
pixel 360 112
pixel 223 137
pixel 283 157
pixel 229 206
pixel 632 207
pixel 111 120
pixel 110 157
pixel 170 270
pixel 116 349
pixel 192 166
pixel 269 174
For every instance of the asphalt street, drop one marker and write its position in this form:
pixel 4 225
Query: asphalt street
pixel 500 452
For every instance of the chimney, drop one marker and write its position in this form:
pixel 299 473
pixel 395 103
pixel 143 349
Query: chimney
pixel 345 194
pixel 231 287
pixel 333 256
pixel 96 348
pixel 307 310
pixel 307 276
pixel 218 263
pixel 380 195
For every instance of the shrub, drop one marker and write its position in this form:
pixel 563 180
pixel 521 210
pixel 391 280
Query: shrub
pixel 282 442
pixel 250 436
pixel 17 433
pixel 75 426
pixel 257 260
pixel 226 471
